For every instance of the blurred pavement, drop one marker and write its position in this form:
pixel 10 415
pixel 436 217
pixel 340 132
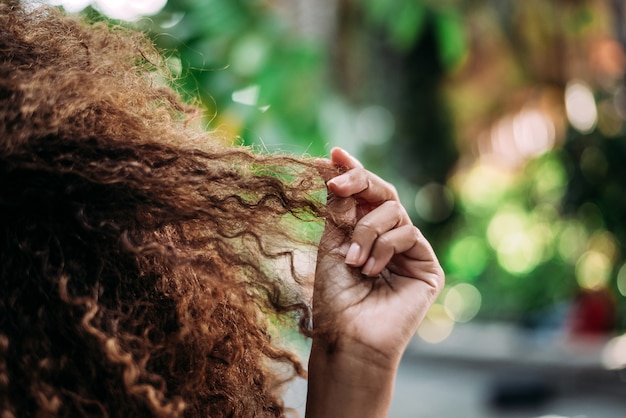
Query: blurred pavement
pixel 498 371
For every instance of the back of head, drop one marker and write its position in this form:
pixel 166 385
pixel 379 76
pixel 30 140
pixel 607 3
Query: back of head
pixel 132 280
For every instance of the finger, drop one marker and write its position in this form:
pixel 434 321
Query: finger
pixel 396 241
pixel 358 182
pixel 326 169
pixel 422 250
pixel 429 271
pixel 417 255
pixel 339 162
pixel 343 208
pixel 341 158
pixel 363 185
pixel 386 217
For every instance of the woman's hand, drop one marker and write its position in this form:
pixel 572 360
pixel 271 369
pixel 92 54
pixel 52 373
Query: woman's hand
pixel 381 308
pixel 371 292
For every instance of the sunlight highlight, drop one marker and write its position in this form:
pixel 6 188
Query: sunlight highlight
pixel 128 10
pixel 248 96
pixel 71 6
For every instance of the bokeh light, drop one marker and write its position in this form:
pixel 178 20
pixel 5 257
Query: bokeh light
pixel 533 133
pixel 518 253
pixel 521 242
pixel 572 240
pixel 249 54
pixel 482 187
pixel 544 236
pixel 549 179
pixel 619 101
pixel 609 121
pixel 614 353
pixel 434 202
pixel 468 256
pixel 580 106
pixel 621 280
pixel 506 222
pixel 462 302
pixel 355 129
pixel 374 125
pixel 515 138
pixel 593 164
pixel 593 270
pixel 604 242
pixel 437 325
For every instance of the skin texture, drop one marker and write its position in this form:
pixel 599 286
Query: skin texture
pixel 385 243
pixel 373 314
pixel 138 253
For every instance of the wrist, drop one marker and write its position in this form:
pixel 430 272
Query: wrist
pixel 340 352
pixel 349 380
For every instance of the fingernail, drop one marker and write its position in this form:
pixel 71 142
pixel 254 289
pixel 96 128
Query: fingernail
pixel 369 266
pixel 353 254
pixel 337 181
pixel 352 158
pixel 346 153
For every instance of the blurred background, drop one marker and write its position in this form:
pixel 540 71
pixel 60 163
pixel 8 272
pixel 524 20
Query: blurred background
pixel 502 124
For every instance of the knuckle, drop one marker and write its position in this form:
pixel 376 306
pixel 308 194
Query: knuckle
pixel 394 208
pixel 359 176
pixel 365 226
pixel 393 204
pixel 384 241
pixel 435 278
pixel 439 280
pixel 440 276
pixel 417 234
pixel 359 173
pixel 392 189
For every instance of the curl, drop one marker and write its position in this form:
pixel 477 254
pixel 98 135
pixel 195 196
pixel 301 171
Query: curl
pixel 140 254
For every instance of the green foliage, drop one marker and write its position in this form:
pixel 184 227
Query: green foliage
pixel 523 238
pixel 403 20
pixel 259 83
pixel 450 37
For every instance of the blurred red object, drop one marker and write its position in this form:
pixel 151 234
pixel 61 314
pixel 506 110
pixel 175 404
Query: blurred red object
pixel 593 313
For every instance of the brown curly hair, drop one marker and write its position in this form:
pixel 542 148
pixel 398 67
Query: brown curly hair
pixel 137 274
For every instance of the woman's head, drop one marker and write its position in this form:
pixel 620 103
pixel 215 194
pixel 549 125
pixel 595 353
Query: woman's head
pixel 135 263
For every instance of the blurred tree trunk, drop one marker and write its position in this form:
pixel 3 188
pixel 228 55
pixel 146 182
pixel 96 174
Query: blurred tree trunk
pixel 368 69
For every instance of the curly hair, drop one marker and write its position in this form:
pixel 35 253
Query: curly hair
pixel 137 273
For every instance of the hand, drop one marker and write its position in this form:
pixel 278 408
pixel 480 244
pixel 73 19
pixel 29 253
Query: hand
pixel 371 292
pixel 378 296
